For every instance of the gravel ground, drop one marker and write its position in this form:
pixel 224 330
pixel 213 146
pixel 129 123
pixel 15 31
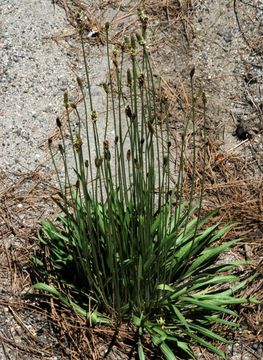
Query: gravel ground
pixel 34 76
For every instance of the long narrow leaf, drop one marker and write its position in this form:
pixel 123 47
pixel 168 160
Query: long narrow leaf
pixel 209 254
pixel 93 316
pixel 208 304
pixel 166 350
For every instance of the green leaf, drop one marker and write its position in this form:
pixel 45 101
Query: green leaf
pixel 51 231
pixel 221 299
pixel 165 287
pixel 141 352
pixel 156 224
pixel 93 316
pixel 169 355
pixel 178 293
pixel 192 246
pixel 209 333
pixel 137 321
pixel 36 261
pixel 216 319
pixel 156 340
pixel 208 304
pixel 159 340
pixel 225 279
pixel 221 232
pixel 184 346
pixel 180 317
pixel 44 287
pixel 241 285
pixel 160 331
pixel 208 345
pixel 208 254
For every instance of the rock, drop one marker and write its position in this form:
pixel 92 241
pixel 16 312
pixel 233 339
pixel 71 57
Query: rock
pixel 226 35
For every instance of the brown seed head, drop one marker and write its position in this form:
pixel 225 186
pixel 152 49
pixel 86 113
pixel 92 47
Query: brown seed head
pixel 106 144
pixel 106 88
pixel 58 122
pixel 66 100
pixel 61 149
pixel 98 162
pixel 192 72
pixel 129 77
pixel 107 26
pixel 77 144
pixel 107 155
pixel 141 80
pixel 79 81
pixel 94 115
pixel 165 161
pixel 204 98
pixel 128 111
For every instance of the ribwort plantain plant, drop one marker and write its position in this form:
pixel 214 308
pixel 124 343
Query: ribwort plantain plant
pixel 127 247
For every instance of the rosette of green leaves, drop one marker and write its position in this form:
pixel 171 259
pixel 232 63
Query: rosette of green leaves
pixel 126 240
